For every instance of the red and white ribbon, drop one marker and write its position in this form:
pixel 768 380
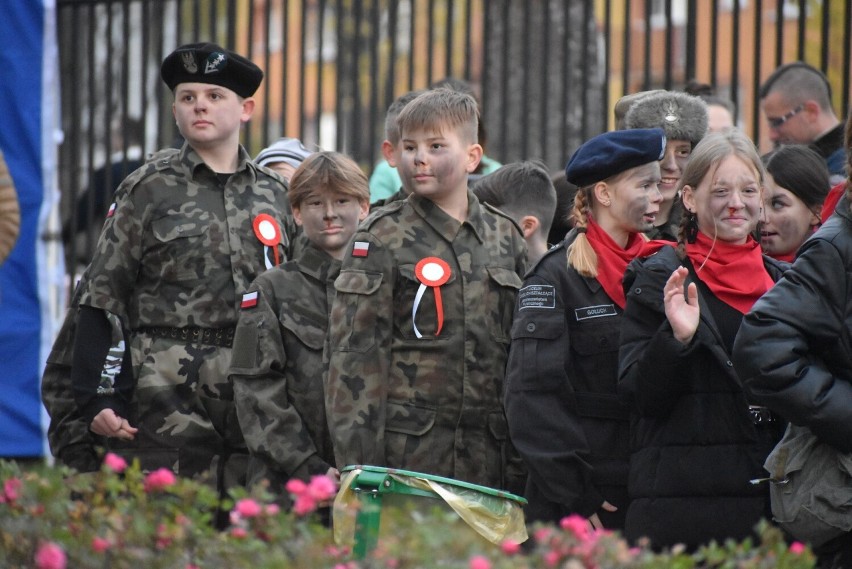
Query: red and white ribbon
pixel 267 231
pixel 432 272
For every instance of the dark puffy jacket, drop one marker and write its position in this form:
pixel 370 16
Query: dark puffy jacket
pixel 794 349
pixel 695 444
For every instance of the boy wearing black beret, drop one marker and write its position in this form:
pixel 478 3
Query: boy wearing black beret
pixel 188 233
pixel 564 413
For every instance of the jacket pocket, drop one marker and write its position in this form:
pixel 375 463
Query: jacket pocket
pixel 177 243
pixel 503 291
pixel 406 427
pixel 426 317
pixel 355 310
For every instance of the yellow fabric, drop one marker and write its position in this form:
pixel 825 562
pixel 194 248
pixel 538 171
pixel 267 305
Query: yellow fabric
pixel 494 518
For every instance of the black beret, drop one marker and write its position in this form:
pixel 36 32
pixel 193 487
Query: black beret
pixel 611 153
pixel 210 63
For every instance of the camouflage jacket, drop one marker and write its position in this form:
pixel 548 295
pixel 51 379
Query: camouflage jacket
pixel 68 434
pixel 177 251
pixel 430 404
pixel 669 230
pixel 277 369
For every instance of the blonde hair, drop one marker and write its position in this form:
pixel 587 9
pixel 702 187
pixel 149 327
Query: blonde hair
pixel 438 109
pixel 706 157
pixel 581 256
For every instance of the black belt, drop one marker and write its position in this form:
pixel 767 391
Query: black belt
pixel 222 337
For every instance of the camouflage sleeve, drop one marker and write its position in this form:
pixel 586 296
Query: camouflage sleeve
pixel 115 265
pixel 272 426
pixel 360 344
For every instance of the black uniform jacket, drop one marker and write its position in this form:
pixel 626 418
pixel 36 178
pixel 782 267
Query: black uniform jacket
pixel 565 416
pixel 695 444
pixel 794 348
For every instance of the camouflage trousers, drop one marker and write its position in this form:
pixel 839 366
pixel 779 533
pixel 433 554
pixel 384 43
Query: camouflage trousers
pixel 183 406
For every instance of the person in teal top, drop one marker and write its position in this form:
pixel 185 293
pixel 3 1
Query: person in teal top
pixel 385 180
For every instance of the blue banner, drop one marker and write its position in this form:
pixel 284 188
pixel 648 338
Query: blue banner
pixel 28 91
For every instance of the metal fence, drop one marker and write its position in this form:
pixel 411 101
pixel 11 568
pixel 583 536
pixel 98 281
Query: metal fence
pixel 547 72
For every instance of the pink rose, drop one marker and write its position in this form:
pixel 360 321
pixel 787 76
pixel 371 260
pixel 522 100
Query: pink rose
pixel 551 558
pixel 479 562
pixel 322 488
pixel 159 479
pixel 296 486
pixel 11 490
pixel 272 510
pixel 577 525
pixel 50 556
pixel 797 547
pixel 239 533
pixel 248 508
pixel 510 547
pixel 115 462
pixel 100 544
pixel 304 505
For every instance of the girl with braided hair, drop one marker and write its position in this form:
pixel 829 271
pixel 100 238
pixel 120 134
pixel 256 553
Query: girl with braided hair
pixel 697 441
pixel 564 413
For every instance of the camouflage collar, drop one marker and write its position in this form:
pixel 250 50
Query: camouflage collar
pixel 447 226
pixel 315 262
pixel 190 158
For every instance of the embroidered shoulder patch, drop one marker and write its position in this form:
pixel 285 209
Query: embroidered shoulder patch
pixel 360 248
pixel 249 300
pixel 537 296
pixel 598 311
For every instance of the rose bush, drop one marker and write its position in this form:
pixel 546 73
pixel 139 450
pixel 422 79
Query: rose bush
pixel 120 517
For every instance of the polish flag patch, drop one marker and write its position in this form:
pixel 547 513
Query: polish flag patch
pixel 249 300
pixel 111 210
pixel 360 249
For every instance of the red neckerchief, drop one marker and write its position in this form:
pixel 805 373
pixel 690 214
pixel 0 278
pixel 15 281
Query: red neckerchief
pixel 613 260
pixel 734 273
pixel 787 257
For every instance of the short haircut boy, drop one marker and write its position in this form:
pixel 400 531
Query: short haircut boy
pixel 438 109
pixel 420 325
pixel 331 170
pixel 391 127
pixel 520 189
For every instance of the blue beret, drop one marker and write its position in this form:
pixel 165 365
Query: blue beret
pixel 213 64
pixel 611 153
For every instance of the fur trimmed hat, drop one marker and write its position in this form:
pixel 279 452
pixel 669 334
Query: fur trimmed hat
pixel 682 116
pixel 212 64
pixel 624 104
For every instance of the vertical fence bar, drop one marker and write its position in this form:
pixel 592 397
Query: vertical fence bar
pixel 735 54
pixel 304 11
pixel 625 70
pixel 757 74
pixel 800 24
pixel 668 45
pixel 646 68
pixel 847 56
pixel 545 76
pixel 691 33
pixel 321 7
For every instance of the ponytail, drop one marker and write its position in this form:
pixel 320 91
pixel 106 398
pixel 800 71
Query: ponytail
pixel 581 256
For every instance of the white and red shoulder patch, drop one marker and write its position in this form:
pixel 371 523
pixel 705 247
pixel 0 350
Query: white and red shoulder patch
pixel 249 300
pixel 360 249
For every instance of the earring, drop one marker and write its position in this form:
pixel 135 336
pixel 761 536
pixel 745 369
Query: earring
pixel 691 227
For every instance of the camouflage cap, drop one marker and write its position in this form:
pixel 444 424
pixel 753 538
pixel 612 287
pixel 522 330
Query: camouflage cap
pixel 211 63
